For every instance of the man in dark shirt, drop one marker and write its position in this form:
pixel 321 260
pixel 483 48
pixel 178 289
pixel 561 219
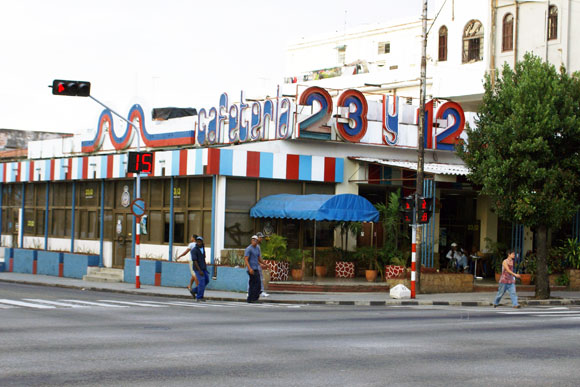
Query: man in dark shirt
pixel 200 268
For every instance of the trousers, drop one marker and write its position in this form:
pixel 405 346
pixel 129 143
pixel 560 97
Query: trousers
pixel 254 286
pixel 511 289
pixel 203 278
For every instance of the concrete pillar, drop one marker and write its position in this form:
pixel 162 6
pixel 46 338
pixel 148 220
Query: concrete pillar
pixel 488 221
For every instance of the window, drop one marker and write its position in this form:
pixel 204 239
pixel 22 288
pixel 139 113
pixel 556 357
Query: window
pixel 473 42
pixel 507 35
pixel 442 44
pixel 384 48
pixel 553 22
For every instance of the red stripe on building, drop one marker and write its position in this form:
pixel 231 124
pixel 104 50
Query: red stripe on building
pixel 69 164
pixel 374 174
pixel 110 162
pixel 253 164
pixel 183 162
pixel 85 168
pixel 152 173
pixel 52 170
pixel 19 172
pixel 213 161
pixel 329 169
pixel 31 171
pixel 292 167
pixel 4 172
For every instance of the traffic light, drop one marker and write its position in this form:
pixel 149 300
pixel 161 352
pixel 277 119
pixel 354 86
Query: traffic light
pixel 425 208
pixel 71 88
pixel 407 203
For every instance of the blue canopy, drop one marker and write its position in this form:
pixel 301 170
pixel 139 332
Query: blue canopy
pixel 344 207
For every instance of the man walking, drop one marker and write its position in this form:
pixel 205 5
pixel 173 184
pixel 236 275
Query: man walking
pixel 253 262
pixel 198 262
pixel 193 279
pixel 262 291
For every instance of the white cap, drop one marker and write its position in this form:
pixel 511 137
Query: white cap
pixel 254 237
pixel 454 244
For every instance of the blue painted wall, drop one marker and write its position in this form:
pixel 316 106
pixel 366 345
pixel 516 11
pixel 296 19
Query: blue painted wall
pixel 23 259
pixel 75 265
pixel 48 262
pixel 233 279
pixel 175 274
pixel 147 270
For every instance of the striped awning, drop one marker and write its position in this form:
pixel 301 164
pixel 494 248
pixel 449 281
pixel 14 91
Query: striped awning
pixel 435 168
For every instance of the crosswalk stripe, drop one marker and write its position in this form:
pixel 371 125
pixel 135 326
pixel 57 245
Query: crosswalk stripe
pixel 179 303
pixel 55 303
pixel 26 304
pixel 546 313
pixel 7 306
pixel 96 304
pixel 134 303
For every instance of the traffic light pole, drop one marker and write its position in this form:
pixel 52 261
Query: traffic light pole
pixel 417 231
pixel 137 194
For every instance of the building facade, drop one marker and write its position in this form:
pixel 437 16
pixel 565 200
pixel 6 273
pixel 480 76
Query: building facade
pixel 345 121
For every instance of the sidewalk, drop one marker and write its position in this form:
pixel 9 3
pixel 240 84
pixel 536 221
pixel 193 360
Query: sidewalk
pixel 329 298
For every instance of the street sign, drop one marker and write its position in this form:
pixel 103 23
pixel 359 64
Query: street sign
pixel 138 207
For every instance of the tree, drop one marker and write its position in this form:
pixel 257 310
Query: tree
pixel 524 151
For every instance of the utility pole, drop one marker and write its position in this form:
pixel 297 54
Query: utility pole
pixel 416 266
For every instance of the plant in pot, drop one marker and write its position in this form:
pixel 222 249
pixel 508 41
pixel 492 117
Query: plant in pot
pixel 274 255
pixel 529 269
pixel 295 259
pixel 344 266
pixel 324 258
pixel 368 255
pixel 393 260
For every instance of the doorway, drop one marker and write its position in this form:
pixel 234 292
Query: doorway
pixel 123 241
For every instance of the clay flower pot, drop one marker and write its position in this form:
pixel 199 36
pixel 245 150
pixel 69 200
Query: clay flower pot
pixel 371 275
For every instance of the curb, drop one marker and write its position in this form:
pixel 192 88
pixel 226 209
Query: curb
pixel 390 302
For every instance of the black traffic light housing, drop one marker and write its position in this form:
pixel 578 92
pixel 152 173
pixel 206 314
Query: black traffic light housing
pixel 71 88
pixel 425 209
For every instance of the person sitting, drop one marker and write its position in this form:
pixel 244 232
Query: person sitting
pixel 457 258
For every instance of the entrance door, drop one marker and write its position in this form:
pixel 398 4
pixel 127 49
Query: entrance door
pixel 123 241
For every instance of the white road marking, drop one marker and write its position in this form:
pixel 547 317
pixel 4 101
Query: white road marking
pixel 26 304
pixel 96 304
pixel 134 303
pixel 55 303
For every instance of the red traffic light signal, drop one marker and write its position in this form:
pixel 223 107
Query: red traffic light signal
pixel 407 204
pixel 425 208
pixel 71 88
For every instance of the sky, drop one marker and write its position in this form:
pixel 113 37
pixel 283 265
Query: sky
pixel 158 53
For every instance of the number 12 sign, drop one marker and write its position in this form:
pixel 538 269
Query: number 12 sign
pixel 140 162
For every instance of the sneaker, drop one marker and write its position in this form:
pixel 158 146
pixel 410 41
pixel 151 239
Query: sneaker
pixel 193 293
pixel 517 307
pixel 265 294
pixel 495 305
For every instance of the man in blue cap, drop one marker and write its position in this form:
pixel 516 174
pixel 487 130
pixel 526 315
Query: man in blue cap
pixel 199 267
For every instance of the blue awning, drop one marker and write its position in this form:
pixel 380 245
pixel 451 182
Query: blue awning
pixel 344 207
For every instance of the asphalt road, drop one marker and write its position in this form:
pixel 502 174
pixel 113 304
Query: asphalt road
pixel 67 337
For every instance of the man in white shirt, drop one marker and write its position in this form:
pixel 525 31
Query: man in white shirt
pixel 455 255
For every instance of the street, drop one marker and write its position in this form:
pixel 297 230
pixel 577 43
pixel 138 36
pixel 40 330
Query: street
pixel 53 336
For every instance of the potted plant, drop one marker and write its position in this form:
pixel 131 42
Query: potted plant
pixel 274 255
pixel 571 253
pixel 368 255
pixel 298 261
pixel 324 258
pixel 344 266
pixel 523 267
